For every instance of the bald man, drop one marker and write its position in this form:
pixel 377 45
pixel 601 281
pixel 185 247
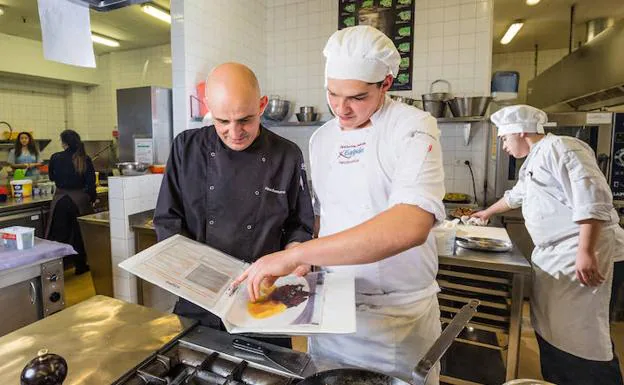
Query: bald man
pixel 235 185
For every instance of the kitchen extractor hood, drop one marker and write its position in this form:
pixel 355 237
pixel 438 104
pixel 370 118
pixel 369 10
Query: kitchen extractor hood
pixel 108 5
pixel 590 78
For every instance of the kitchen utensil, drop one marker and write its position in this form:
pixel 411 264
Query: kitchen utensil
pixel 456 197
pixel 306 109
pixel 469 106
pixel 483 244
pixel 277 109
pixel 436 108
pixel 435 102
pixel 420 373
pixel 290 362
pixel 307 117
pixel 132 168
pixel 45 369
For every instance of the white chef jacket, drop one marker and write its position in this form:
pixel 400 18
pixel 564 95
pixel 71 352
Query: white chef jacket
pixel 559 184
pixel 398 159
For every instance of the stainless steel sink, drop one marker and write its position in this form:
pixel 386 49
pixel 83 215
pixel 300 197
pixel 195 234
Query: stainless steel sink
pixel 95 230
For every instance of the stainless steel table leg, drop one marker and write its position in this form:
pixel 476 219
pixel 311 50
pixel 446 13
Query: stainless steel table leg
pixel 139 284
pixel 515 323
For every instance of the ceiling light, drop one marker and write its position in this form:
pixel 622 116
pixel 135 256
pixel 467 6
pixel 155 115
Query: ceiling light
pixel 104 40
pixel 1 11
pixel 157 12
pixel 511 32
pixel 532 2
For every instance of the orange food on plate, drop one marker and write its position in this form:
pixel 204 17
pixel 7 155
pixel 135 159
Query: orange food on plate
pixel 461 211
pixel 275 300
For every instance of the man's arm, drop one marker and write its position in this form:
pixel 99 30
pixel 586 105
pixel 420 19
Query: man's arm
pixel 169 212
pixel 499 207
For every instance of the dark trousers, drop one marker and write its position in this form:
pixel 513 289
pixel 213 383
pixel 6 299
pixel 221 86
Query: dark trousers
pixel 64 228
pixel 617 292
pixel 188 309
pixel 563 368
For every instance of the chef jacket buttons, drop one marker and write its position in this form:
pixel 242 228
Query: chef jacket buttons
pixel 211 187
pixel 212 154
pixel 248 227
pixel 211 222
pixel 263 159
pixel 257 192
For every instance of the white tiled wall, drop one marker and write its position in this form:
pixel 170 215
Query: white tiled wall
pixel 127 196
pixel 32 105
pixel 207 33
pixel 524 63
pixel 452 41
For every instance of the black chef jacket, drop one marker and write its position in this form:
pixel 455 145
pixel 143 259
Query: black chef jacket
pixel 245 203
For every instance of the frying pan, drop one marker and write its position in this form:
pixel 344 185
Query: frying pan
pixel 353 376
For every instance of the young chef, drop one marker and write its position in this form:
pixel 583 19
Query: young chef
pixel 235 185
pixel 568 211
pixel 378 178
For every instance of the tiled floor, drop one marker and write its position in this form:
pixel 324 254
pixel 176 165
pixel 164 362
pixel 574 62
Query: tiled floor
pixel 79 288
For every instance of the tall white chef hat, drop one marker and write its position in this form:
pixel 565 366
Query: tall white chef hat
pixel 360 53
pixel 519 118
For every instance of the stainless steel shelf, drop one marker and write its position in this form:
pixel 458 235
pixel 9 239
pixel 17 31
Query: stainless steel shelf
pixel 463 119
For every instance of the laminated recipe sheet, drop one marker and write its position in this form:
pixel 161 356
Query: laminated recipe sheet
pixel 320 302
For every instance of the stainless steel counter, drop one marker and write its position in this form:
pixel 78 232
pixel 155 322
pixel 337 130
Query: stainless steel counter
pixel 101 339
pixel 511 262
pixel 13 204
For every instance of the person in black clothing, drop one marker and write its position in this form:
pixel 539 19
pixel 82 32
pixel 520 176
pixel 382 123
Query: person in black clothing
pixel 73 173
pixel 235 185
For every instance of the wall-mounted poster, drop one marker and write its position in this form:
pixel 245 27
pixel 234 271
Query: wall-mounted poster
pixel 395 18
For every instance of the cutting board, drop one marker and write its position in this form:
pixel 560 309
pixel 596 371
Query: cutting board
pixel 483 232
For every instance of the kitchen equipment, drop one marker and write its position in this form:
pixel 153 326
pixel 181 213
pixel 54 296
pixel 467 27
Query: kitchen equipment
pixel 469 106
pixel 436 108
pixel 306 109
pixel 404 99
pixel 157 168
pixel 277 109
pixel 292 363
pixel 435 102
pixel 132 168
pixel 144 113
pixel 21 188
pixel 307 117
pixel 419 374
pixel 95 230
pixel 45 369
pixel 484 244
pixel 504 85
pixel 18 237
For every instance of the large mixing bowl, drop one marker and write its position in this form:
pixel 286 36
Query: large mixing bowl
pixel 132 168
pixel 277 110
pixel 469 106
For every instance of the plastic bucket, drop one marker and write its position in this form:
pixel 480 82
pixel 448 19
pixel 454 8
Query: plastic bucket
pixel 21 188
pixel 445 240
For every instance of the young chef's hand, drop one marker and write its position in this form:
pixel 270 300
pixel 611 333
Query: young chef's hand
pixel 302 269
pixel 587 269
pixel 483 215
pixel 267 269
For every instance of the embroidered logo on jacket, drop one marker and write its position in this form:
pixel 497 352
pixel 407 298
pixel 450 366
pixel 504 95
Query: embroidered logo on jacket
pixel 351 153
pixel 274 190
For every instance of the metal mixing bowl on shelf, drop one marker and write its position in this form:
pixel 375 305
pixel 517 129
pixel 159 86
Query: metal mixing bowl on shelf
pixel 132 168
pixel 277 109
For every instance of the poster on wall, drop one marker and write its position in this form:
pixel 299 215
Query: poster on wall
pixel 395 18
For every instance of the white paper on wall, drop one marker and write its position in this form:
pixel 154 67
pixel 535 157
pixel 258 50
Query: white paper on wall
pixel 66 33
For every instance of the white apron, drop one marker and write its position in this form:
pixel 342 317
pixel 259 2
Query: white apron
pixel 568 315
pixel 390 338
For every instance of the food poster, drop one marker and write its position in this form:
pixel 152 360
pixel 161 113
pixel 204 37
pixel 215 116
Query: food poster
pixel 291 300
pixel 395 18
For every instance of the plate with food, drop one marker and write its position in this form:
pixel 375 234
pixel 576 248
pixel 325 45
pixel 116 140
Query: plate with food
pixel 460 212
pixel 282 303
pixel 456 198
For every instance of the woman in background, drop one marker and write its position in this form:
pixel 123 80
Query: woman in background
pixel 73 173
pixel 25 154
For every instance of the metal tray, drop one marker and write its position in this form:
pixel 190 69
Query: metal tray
pixel 483 244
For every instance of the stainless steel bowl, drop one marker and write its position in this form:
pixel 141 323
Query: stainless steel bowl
pixel 307 117
pixel 469 106
pixel 277 110
pixel 436 108
pixel 132 168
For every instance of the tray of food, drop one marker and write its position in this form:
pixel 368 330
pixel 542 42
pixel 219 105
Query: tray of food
pixel 483 244
pixel 457 198
pixel 459 212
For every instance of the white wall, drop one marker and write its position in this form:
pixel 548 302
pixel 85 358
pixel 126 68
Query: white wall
pixel 452 41
pixel 207 33
pixel 524 63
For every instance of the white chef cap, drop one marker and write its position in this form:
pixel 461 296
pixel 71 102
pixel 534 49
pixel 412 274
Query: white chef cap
pixel 519 118
pixel 360 53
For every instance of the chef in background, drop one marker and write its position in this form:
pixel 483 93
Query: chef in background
pixel 567 207
pixel 379 182
pixel 234 185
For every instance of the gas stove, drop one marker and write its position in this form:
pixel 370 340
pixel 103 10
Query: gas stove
pixel 205 356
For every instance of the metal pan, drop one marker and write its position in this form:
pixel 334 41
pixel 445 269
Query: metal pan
pixel 352 376
pixel 483 244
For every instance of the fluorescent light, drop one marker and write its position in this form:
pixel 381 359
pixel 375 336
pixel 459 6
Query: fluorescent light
pixel 104 40
pixel 157 12
pixel 1 11
pixel 532 2
pixel 511 32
